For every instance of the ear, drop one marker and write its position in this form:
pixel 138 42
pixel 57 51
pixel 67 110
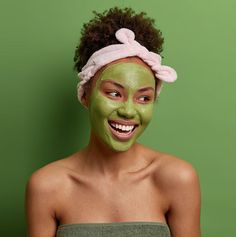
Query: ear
pixel 84 100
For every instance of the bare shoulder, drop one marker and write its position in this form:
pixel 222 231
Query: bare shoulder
pixel 46 176
pixel 172 172
pixel 47 180
pixel 179 182
pixel 176 169
pixel 43 197
pixel 176 176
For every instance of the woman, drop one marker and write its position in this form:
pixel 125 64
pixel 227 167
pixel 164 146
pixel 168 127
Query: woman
pixel 116 186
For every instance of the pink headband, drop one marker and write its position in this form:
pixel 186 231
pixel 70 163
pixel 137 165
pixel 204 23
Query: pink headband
pixel 129 47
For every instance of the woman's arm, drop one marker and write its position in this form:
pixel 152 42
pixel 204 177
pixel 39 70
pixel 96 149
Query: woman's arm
pixel 40 216
pixel 183 192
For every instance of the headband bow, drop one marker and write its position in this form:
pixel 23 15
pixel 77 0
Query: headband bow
pixel 129 47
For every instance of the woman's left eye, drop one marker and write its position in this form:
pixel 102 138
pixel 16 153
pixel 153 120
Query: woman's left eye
pixel 113 93
pixel 144 98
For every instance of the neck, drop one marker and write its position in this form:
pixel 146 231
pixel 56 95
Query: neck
pixel 106 162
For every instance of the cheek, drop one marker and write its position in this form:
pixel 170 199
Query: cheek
pixel 102 106
pixel 145 112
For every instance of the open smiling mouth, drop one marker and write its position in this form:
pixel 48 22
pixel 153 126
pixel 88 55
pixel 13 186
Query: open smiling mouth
pixel 122 131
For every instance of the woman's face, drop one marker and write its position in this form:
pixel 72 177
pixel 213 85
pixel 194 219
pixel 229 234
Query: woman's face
pixel 121 103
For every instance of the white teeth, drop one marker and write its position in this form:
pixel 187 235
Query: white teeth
pixel 131 127
pixel 122 127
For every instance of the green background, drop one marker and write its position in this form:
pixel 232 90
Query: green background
pixel 41 120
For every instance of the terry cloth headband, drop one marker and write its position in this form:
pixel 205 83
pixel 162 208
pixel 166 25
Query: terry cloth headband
pixel 129 47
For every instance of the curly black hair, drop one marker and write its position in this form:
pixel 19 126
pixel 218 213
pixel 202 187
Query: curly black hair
pixel 100 32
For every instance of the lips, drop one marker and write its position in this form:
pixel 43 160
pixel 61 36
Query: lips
pixel 122 130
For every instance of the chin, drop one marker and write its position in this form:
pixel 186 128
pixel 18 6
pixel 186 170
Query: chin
pixel 119 147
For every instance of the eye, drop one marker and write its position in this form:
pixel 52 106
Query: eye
pixel 113 93
pixel 144 98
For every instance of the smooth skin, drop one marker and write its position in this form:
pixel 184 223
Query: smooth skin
pixel 108 181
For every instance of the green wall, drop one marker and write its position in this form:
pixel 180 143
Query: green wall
pixel 41 120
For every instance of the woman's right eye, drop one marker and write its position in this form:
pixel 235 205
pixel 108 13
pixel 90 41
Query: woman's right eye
pixel 113 93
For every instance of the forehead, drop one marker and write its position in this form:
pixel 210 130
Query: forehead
pixel 128 73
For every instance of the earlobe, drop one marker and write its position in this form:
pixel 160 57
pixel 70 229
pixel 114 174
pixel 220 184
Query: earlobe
pixel 84 101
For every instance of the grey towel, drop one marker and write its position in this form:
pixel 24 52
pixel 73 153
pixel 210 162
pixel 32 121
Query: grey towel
pixel 115 229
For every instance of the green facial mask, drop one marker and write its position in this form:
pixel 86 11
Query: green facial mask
pixel 103 108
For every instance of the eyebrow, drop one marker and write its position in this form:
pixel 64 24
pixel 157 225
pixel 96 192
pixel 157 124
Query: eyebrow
pixel 146 89
pixel 114 83
pixel 119 85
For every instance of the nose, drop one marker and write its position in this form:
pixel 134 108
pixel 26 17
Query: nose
pixel 127 110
